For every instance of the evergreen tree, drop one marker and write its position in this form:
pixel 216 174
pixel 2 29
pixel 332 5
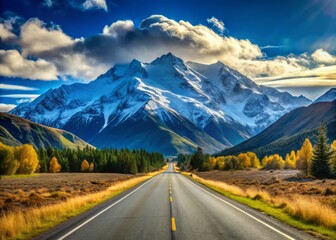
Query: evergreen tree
pixel 197 159
pixel 321 154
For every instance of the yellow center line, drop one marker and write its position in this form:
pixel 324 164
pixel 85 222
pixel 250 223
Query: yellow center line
pixel 171 199
pixel 170 192
pixel 173 224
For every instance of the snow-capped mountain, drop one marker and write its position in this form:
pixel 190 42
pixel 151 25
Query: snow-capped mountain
pixel 167 105
pixel 328 96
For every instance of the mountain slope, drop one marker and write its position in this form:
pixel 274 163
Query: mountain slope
pixel 16 131
pixel 289 132
pixel 328 96
pixel 187 104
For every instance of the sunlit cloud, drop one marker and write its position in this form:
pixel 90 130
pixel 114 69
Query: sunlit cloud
pixel 217 24
pixel 272 46
pixel 13 64
pixel 6 107
pixel 17 87
pixel 48 53
pixel 30 96
pixel 48 3
pixel 322 56
pixel 92 4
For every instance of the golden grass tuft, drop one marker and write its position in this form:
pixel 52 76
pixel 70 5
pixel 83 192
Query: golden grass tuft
pixel 34 220
pixel 311 210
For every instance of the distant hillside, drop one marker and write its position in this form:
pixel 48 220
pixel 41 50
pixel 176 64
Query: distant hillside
pixel 16 131
pixel 289 132
pixel 328 96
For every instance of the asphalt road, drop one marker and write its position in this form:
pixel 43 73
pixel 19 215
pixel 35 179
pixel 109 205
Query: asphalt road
pixel 170 206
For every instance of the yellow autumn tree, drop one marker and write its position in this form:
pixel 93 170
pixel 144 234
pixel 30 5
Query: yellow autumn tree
pixel 85 166
pixel 273 162
pixel 333 145
pixel 212 162
pixel 254 160
pixel 54 166
pixel 244 160
pixel 290 162
pixel 91 167
pixel 304 156
pixel 8 164
pixel 220 163
pixel 27 157
pixel 332 162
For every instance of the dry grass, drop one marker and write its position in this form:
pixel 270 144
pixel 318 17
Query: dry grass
pixel 304 208
pixel 312 211
pixel 22 224
pixel 45 189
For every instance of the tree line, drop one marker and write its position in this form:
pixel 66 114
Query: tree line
pixel 25 159
pixel 318 161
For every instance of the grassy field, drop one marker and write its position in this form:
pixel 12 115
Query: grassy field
pixel 54 198
pixel 282 195
pixel 26 191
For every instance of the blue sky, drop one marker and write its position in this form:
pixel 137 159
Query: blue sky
pixel 288 44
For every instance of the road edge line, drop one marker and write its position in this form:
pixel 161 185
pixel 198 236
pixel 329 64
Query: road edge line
pixel 242 211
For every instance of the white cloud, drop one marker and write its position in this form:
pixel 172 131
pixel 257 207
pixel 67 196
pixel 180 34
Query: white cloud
pixel 48 3
pixel 217 23
pixel 6 30
pixel 121 41
pixel 12 64
pixel 119 28
pixel 17 87
pixel 6 107
pixel 30 96
pixel 23 100
pixel 322 56
pixel 56 47
pixel 36 38
pixel 199 42
pixel 6 33
pixel 92 4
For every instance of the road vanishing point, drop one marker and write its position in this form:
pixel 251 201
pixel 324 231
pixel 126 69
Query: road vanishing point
pixel 172 206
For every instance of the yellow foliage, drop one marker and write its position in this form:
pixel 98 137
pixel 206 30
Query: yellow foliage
pixel 304 156
pixel 333 145
pixel 212 161
pixel 8 165
pixel 254 160
pixel 91 167
pixel 28 159
pixel 85 166
pixel 244 160
pixel 220 163
pixel 54 166
pixel 273 162
pixel 290 162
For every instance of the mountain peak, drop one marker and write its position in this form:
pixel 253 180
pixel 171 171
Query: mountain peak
pixel 168 58
pixel 136 68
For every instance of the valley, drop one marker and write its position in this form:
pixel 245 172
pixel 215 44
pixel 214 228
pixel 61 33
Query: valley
pixel 177 120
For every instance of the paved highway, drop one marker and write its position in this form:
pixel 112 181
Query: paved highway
pixel 170 206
